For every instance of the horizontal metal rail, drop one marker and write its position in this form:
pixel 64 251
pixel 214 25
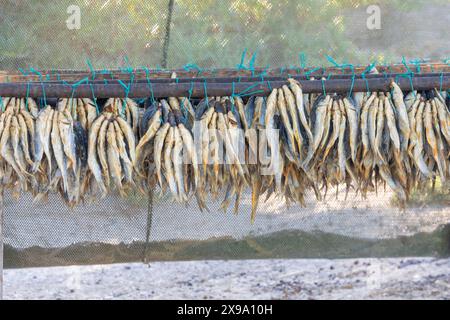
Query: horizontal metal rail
pixel 141 73
pixel 201 89
pixel 127 81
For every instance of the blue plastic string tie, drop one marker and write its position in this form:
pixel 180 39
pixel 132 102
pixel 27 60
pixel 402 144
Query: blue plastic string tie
pixel 91 68
pixel 241 65
pixel 269 86
pixel 302 59
pixel 147 77
pixel 24 72
pixel 232 97
pixel 351 87
pixel 323 87
pixel 363 76
pixel 94 98
pixel 127 91
pixel 28 94
pixel 310 72
pixel 441 80
pixel 42 84
pixel 251 64
pixel 206 91
pixel 1 103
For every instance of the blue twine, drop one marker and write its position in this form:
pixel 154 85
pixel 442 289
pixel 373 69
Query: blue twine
pixel 127 91
pixel 363 75
pixel 269 86
pixel 311 71
pixel 351 87
pixel 24 72
pixel 302 59
pixel 28 94
pixel 241 65
pixel 91 68
pixel 94 98
pixel 206 91
pixel 441 79
pixel 323 87
pixel 42 84
pixel 147 76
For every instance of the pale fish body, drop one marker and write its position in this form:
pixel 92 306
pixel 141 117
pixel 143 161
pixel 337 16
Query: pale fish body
pixel 444 119
pixel 372 122
pixel 68 138
pixel 341 148
pixel 203 152
pixel 6 148
pixel 169 143
pixel 115 168
pixel 276 161
pixel 241 111
pixel 327 124
pixel 39 136
pixel 177 160
pixel 336 128
pixel 379 130
pixel 281 104
pixel 214 147
pixel 352 116
pixel 102 151
pixel 47 138
pixel 387 177
pixel 364 123
pixel 127 166
pixel 301 108
pixel 403 123
pixel 155 124
pixel 91 112
pixel 440 142
pixel 15 141
pixel 290 101
pixel 129 137
pixel 158 149
pixel 93 164
pixel 25 144
pixel 81 114
pixel 231 155
pixel 412 123
pixel 190 148
pixel 58 151
pixel 318 128
pixel 431 138
pixel 390 118
pixel 418 147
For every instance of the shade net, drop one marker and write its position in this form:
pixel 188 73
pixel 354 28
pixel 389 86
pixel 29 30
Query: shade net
pixel 214 34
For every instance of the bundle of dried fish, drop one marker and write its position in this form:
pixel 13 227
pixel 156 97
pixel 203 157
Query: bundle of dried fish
pixel 81 110
pixel 127 109
pixel 17 145
pixel 111 151
pixel 61 155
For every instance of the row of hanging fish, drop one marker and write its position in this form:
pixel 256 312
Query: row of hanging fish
pixel 284 145
pixel 290 143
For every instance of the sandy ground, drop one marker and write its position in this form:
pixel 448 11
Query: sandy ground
pixel 400 278
pixel 116 220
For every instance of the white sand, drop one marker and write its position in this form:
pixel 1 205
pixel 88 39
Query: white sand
pixel 400 278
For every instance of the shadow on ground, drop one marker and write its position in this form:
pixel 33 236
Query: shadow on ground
pixel 284 244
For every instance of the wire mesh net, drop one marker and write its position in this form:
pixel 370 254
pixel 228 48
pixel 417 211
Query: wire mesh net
pixel 212 34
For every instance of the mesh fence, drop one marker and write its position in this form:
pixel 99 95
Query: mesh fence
pixel 212 34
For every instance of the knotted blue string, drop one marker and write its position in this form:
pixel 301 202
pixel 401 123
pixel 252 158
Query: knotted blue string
pixel 32 70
